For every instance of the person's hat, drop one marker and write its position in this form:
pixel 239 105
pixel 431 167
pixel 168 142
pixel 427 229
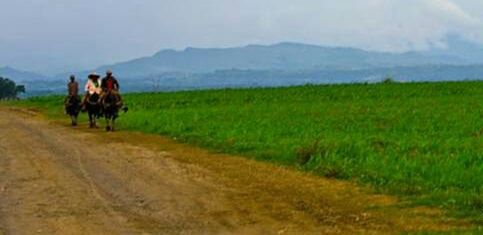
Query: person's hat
pixel 94 75
pixel 72 76
pixel 109 72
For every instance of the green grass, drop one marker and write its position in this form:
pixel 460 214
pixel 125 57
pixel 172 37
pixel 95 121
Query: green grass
pixel 421 141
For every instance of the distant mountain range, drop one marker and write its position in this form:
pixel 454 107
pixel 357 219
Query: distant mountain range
pixel 268 78
pixel 283 64
pixel 294 57
pixel 18 75
pixel 283 56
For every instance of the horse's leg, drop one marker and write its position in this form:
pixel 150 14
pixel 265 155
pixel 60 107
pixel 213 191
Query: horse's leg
pixel 91 121
pixel 113 122
pixel 94 120
pixel 74 119
pixel 108 125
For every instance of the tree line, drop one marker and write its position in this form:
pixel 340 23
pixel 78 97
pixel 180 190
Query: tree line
pixel 10 90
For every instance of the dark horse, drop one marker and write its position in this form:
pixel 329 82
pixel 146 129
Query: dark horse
pixel 94 108
pixel 72 108
pixel 111 104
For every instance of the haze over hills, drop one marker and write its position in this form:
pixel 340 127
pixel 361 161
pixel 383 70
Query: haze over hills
pixel 295 57
pixel 280 64
pixel 19 75
pixel 458 49
pixel 283 56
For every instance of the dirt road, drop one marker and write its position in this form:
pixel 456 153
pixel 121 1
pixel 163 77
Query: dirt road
pixel 58 180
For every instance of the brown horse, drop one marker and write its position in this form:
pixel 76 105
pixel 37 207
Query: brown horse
pixel 111 104
pixel 94 108
pixel 72 108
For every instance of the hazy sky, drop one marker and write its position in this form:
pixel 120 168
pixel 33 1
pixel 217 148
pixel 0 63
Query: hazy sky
pixel 51 36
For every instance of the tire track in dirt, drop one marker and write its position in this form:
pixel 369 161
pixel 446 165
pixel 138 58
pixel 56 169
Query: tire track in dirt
pixel 98 190
pixel 38 189
pixel 60 150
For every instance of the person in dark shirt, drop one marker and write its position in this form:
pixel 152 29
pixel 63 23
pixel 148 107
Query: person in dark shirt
pixel 110 85
pixel 72 92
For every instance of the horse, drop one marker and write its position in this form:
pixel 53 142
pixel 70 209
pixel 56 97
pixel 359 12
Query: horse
pixel 111 104
pixel 72 108
pixel 94 109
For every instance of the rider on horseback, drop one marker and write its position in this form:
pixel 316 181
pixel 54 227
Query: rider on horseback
pixel 73 86
pixel 110 86
pixel 73 91
pixel 111 101
pixel 93 86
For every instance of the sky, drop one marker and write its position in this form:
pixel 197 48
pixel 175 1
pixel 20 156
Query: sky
pixel 54 36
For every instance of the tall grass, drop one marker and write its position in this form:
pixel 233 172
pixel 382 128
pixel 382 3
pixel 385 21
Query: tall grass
pixel 419 140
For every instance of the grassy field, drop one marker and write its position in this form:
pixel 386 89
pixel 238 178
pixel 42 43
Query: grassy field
pixel 421 141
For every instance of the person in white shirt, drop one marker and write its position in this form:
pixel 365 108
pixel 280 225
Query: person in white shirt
pixel 93 86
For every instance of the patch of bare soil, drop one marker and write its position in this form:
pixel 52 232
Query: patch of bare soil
pixel 60 180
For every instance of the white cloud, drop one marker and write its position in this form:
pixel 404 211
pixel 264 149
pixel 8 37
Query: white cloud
pixel 457 21
pixel 450 9
pixel 390 25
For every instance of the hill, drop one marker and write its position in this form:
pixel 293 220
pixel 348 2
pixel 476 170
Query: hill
pixel 463 50
pixel 281 64
pixel 233 78
pixel 282 56
pixel 274 78
pixel 19 75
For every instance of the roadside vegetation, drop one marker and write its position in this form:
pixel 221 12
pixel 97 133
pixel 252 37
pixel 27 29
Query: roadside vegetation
pixel 421 141
pixel 9 90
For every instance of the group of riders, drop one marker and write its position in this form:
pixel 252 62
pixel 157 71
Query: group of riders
pixel 102 98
